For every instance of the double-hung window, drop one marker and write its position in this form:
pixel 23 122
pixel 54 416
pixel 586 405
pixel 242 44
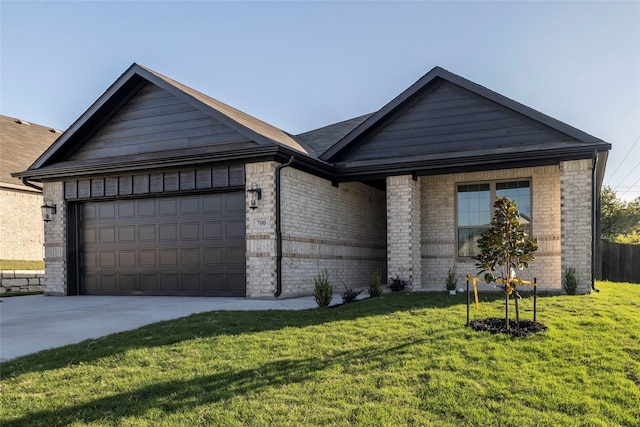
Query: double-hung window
pixel 475 209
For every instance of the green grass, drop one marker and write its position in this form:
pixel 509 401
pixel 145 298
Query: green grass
pixel 20 294
pixel 399 359
pixel 6 264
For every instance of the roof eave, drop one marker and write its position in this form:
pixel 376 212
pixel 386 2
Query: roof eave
pixel 431 165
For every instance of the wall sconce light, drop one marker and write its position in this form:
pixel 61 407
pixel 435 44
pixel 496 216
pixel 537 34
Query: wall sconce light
pixel 256 194
pixel 48 210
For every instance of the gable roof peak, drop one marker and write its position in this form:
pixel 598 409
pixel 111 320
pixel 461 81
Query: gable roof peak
pixel 427 81
pixel 138 75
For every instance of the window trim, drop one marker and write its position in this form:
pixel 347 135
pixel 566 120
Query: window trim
pixel 492 197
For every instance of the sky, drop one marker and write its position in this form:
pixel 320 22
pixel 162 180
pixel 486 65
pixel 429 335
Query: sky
pixel 302 65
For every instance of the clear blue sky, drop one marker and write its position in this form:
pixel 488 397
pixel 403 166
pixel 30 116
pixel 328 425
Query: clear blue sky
pixel 302 65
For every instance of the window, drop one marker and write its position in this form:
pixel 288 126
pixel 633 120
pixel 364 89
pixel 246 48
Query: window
pixel 475 209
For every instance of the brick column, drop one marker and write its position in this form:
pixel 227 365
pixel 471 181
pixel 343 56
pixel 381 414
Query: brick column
pixel 404 229
pixel 261 232
pixel 55 241
pixel 576 216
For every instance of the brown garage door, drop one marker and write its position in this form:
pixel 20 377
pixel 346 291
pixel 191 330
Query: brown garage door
pixel 180 245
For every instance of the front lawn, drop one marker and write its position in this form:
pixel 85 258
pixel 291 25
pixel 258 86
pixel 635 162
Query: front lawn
pixel 399 359
pixel 6 264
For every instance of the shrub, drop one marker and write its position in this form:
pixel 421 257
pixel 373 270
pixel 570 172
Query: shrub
pixel 396 284
pixel 452 278
pixel 349 295
pixel 323 291
pixel 570 281
pixel 374 284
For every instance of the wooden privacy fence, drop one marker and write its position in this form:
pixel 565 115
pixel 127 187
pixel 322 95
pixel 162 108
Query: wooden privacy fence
pixel 620 263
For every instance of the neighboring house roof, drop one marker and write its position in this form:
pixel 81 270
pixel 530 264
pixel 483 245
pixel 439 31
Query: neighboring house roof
pixel 440 124
pixel 21 143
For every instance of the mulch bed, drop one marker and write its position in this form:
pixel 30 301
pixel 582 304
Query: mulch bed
pixel 495 325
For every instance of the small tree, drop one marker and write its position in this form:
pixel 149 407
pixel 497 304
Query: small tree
pixel 505 249
pixel 620 219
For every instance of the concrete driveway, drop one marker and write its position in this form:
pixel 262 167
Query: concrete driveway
pixel 32 323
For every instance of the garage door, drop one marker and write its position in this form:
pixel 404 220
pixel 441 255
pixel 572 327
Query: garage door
pixel 180 245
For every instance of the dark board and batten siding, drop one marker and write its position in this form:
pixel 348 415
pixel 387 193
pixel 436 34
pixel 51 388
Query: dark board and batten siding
pixel 203 178
pixel 449 119
pixel 156 121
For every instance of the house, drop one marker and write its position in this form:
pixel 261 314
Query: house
pixel 21 230
pixel 162 190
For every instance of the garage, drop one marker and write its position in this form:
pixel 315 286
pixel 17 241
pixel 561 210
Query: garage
pixel 190 245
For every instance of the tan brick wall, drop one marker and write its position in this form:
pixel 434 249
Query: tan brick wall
pixel 576 219
pixel 404 229
pixel 340 229
pixel 439 250
pixel 345 229
pixel 55 244
pixel 21 225
pixel 260 232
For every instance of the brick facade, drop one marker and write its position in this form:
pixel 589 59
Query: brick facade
pixel 404 225
pixel 349 229
pixel 576 206
pixel 261 232
pixel 21 230
pixel 55 241
pixel 338 229
pixel 439 251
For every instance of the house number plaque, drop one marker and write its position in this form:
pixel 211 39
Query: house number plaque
pixel 261 223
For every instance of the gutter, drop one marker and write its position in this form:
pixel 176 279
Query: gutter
pixel 26 182
pixel 279 229
pixel 594 220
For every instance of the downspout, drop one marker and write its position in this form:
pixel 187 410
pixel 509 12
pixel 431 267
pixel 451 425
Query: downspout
pixel 26 182
pixel 279 229
pixel 594 220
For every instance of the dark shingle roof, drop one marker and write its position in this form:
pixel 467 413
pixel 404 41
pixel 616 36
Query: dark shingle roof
pixel 385 142
pixel 256 125
pixel 21 143
pixel 321 139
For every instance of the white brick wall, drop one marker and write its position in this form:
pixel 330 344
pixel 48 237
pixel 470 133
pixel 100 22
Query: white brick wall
pixel 576 219
pixel 439 250
pixel 21 225
pixel 404 229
